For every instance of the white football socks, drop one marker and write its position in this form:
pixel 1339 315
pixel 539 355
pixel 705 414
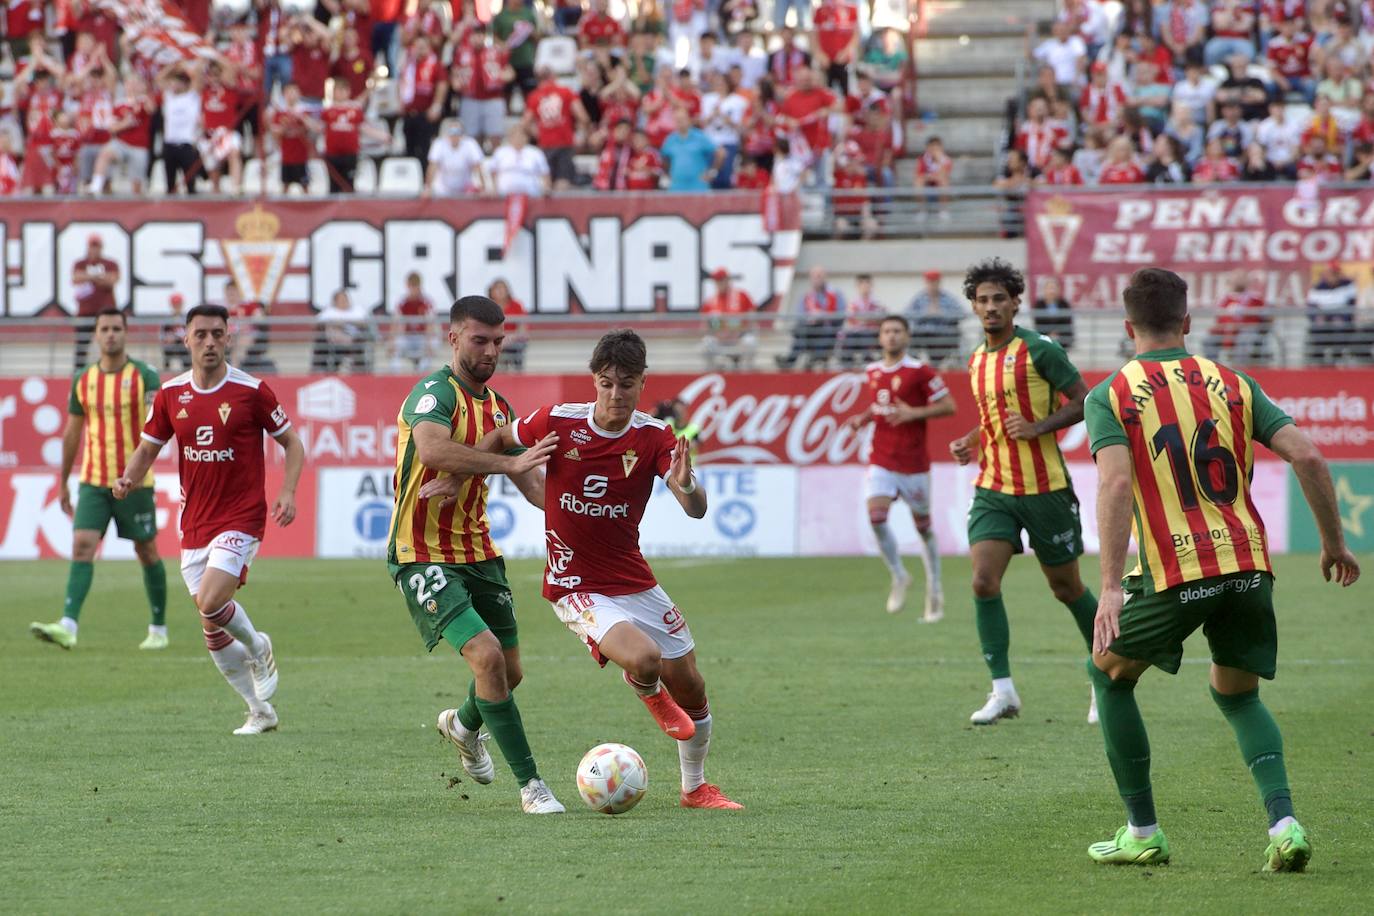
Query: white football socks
pixel 232 662
pixel 1144 833
pixel 644 690
pixel 69 625
pixel 1282 825
pixel 1002 686
pixel 691 755
pixel 887 546
pixel 930 558
pixel 157 629
pixel 241 628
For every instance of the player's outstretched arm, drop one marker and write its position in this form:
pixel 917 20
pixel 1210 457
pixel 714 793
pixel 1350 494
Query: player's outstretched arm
pixel 284 509
pixel 71 439
pixel 1114 505
pixel 531 486
pixel 683 483
pixel 437 451
pixel 910 413
pixel 1297 448
pixel 137 468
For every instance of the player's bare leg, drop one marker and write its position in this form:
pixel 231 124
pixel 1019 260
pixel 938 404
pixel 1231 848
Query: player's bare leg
pixel 688 689
pixel 878 509
pixel 1069 590
pixel 639 658
pixel 493 699
pixel 930 559
pixel 990 561
pixel 85 542
pixel 242 654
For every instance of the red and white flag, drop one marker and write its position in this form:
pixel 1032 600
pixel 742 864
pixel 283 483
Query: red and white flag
pixel 516 207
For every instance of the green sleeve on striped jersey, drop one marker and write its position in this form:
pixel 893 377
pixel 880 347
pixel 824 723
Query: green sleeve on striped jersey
pixel 1266 417
pixel 1104 426
pixel 151 382
pixel 73 402
pixel 432 400
pixel 1051 361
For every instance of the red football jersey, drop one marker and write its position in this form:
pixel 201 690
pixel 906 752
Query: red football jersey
pixel 342 136
pixel 836 24
pixel 552 105
pixel 596 487
pixel 140 134
pixel 902 449
pixel 219 106
pixel 220 432
pixel 294 140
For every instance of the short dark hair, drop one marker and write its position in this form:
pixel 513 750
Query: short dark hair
pixel 622 350
pixel 1156 300
pixel 860 278
pixel 900 319
pixel 208 311
pixel 112 310
pixel 993 270
pixel 479 308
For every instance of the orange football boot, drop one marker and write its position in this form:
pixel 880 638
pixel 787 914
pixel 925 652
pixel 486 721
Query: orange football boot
pixel 709 796
pixel 669 716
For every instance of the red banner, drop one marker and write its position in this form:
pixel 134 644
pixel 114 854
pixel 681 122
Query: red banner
pixel 1094 241
pixel 601 253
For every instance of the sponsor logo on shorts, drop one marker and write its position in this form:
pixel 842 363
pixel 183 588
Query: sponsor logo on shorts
pixel 207 454
pixel 431 606
pixel 1201 592
pixel 231 540
pixel 673 620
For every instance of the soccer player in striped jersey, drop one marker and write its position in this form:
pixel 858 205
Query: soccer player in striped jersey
pixel 1174 438
pixel 1026 390
pixel 107 404
pixel 440 553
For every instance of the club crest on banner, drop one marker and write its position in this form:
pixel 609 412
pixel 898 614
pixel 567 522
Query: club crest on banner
pixel 1059 226
pixel 257 260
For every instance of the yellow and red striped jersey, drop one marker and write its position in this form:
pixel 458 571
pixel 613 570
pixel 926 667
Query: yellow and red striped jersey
pixel 1025 375
pixel 1191 425
pixel 421 531
pixel 113 405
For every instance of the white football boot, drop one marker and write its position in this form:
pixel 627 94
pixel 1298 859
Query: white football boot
pixel 472 748
pixel 896 597
pixel 264 666
pixel 537 798
pixel 935 608
pixel 1092 706
pixel 997 707
pixel 259 722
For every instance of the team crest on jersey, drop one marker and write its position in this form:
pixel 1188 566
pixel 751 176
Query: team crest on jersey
pixel 581 436
pixel 572 455
pixel 127 384
pixel 1009 361
pixel 498 417
pixel 224 409
pixel 186 397
pixel 181 414
pixel 629 460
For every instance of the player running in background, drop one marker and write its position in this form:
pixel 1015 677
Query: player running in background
pixel 1174 438
pixel 218 414
pixel 1019 378
pixel 906 392
pixel 108 402
pixel 608 459
pixel 440 553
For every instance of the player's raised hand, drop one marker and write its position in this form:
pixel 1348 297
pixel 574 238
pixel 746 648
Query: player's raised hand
pixel 1018 427
pixel 121 487
pixel 1340 565
pixel 284 509
pixel 1107 623
pixel 444 488
pixel 537 456
pixel 64 499
pixel 681 470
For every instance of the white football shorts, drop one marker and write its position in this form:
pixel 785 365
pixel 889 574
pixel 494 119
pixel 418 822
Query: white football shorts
pixel 230 551
pixel 912 489
pixel 590 616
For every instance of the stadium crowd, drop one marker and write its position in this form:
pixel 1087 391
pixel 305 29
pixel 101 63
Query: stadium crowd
pixel 1192 91
pixel 690 97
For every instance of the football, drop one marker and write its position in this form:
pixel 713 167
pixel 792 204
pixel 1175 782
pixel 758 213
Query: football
pixel 612 778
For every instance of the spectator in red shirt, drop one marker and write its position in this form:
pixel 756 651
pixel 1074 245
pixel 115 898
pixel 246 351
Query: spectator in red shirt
pixel 1318 165
pixel 852 211
pixel 646 164
pixel 750 177
pixel 273 45
pixel 935 169
pixel 243 52
pixel 806 112
pixel 619 101
pixel 1242 327
pixel 597 28
pixel 96 22
pixel 481 75
pixel 788 60
pixel 310 64
pixel 1215 167
pixel 423 91
pixel 410 343
pixel 131 142
pixel 553 113
pixel 1101 101
pixel 836 41
pixel 66 144
pixel 353 63
pixel 94 279
pixel 728 335
pixel 344 124
pixel 613 168
pixel 517 334
pixel 95 116
pixel 221 107
pixel 1288 53
pixel 1120 166
pixel 22 19
pixel 293 130
pixel 9 168
pixel 1060 170
pixel 1038 135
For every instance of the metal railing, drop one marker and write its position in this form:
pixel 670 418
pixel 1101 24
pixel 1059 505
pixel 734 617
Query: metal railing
pixel 1095 339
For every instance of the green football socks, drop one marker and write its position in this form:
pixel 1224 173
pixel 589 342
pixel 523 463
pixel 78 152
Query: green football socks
pixel 78 585
pixel 467 713
pixel 1261 746
pixel 1084 610
pixel 503 721
pixel 155 584
pixel 1128 745
pixel 994 633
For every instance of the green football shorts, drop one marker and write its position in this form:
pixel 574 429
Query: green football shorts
pixel 1235 611
pixel 135 515
pixel 475 595
pixel 1050 519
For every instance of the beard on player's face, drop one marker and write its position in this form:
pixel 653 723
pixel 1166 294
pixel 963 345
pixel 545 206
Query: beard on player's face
pixel 479 369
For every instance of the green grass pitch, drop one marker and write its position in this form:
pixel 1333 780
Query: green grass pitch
pixel 843 729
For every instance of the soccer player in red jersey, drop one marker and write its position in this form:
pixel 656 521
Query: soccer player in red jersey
pixel 606 464
pixel 906 393
pixel 218 414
